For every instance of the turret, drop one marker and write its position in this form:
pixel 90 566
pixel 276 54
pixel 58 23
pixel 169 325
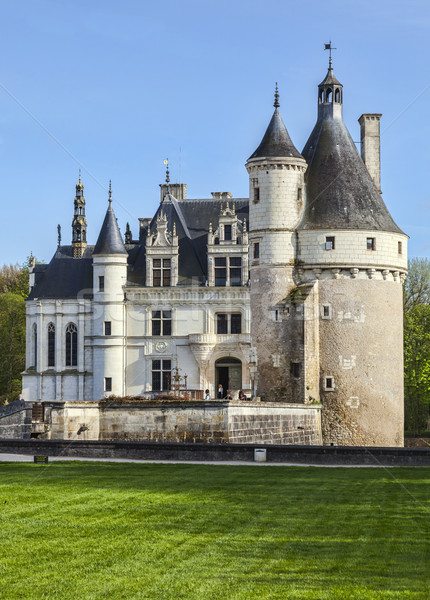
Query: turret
pixel 352 255
pixel 276 187
pixel 79 224
pixel 109 323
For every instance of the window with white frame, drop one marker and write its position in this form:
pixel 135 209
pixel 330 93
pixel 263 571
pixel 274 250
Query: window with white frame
pixel 231 265
pixel 161 272
pixel 161 322
pixel 161 374
pixel 227 323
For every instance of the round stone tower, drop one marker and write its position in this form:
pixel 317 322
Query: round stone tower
pixel 276 191
pixel 354 255
pixel 109 322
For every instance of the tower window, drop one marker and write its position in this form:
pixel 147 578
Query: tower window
pixel 108 384
pixel 101 283
pixel 329 243
pixel 108 328
pixel 371 243
pixel 71 345
pixel 299 194
pixel 227 232
pixel 256 195
pixel 161 272
pixel 161 373
pixel 295 369
pixel 326 311
pixel 337 95
pixel 399 247
pixel 51 345
pixel 161 322
pixel 257 250
pixel 328 384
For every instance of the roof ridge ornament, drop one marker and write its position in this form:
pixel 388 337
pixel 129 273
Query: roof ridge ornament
pixel 110 191
pixel 329 47
pixel 276 103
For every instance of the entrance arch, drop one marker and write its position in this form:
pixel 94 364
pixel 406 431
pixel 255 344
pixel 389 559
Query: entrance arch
pixel 228 373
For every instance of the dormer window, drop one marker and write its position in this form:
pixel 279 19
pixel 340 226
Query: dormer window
pixel 161 272
pixel 227 232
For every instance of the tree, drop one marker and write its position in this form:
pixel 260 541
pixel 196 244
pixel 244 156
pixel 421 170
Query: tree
pixel 14 279
pixel 417 345
pixel 12 343
pixel 417 285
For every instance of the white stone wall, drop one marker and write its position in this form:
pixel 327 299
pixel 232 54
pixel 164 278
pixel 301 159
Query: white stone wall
pixel 108 306
pixel 351 251
pixel 279 180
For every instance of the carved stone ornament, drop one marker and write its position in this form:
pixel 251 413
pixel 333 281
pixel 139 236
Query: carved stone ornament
pixel 161 347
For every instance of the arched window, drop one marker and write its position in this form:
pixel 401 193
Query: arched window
pixel 320 96
pixel 328 95
pixel 34 346
pixel 51 345
pixel 71 345
pixel 337 95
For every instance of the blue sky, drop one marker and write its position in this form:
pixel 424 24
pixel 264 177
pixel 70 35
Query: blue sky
pixel 116 87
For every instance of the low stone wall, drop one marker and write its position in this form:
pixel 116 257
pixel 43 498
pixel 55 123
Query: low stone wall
pixel 313 455
pixel 188 421
pixel 15 420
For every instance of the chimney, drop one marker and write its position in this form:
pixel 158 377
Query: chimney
pixel 370 146
pixel 222 195
pixel 178 190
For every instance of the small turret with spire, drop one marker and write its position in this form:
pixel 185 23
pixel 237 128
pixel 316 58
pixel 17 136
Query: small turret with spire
pixel 79 224
pixel 330 92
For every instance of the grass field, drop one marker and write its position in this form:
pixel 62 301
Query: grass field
pixel 81 530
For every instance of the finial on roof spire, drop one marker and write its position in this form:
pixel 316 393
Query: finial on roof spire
pixel 329 47
pixel 276 103
pixel 59 234
pixel 110 191
pixel 80 176
pixel 166 162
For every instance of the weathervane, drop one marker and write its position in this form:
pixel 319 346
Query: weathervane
pixel 329 47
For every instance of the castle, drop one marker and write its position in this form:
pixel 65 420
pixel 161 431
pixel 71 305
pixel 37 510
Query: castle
pixel 293 295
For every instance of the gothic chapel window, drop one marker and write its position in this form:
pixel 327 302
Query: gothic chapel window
pixel 71 345
pixel 51 345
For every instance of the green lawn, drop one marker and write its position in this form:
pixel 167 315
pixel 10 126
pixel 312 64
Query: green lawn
pixel 80 530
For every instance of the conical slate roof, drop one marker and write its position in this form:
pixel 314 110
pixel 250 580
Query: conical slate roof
pixel 330 78
pixel 276 141
pixel 340 193
pixel 109 240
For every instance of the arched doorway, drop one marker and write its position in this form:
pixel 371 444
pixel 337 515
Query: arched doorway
pixel 228 373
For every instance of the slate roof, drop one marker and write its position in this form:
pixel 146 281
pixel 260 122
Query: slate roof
pixel 340 194
pixel 65 277
pixel 110 240
pixel 276 141
pixel 68 277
